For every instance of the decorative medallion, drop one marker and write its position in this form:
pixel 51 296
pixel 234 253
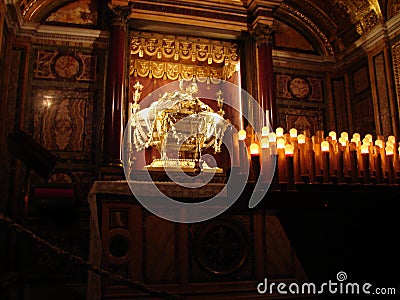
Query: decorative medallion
pixel 66 66
pixel 299 88
pixel 221 246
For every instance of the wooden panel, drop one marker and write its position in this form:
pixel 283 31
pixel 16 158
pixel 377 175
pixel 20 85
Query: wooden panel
pixel 160 250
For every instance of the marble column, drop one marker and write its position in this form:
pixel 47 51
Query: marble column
pixel 262 33
pixel 115 86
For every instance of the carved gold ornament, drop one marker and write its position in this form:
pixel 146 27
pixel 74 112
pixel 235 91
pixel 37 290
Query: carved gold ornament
pixel 182 58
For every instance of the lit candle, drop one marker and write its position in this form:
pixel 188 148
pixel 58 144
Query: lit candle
pixel 332 134
pixel 381 143
pixel 340 162
pixel 274 156
pixel 317 139
pixel 301 141
pixel 290 166
pixel 310 162
pixel 353 163
pixel 279 132
pixel 255 161
pixel 293 133
pixel 378 164
pixel 365 161
pixel 344 155
pixel 389 163
pixel 265 159
pixel 243 156
pixel 293 140
pixel 265 131
pixel 280 145
pixel 325 161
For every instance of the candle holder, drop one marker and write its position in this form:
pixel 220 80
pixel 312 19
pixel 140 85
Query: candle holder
pixel 255 165
pixel 366 164
pixel 378 165
pixel 290 169
pixel 353 163
pixel 340 164
pixel 310 158
pixel 390 168
pixel 325 148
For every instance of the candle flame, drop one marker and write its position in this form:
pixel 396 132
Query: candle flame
pixel 324 146
pixel 389 150
pixel 289 149
pixel 293 132
pixel 280 143
pixel 332 134
pixel 301 138
pixel 242 135
pixel 279 131
pixel 254 149
pixel 379 143
pixel 264 143
pixel 364 149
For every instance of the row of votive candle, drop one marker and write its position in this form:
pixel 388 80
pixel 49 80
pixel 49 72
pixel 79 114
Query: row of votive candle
pixel 301 158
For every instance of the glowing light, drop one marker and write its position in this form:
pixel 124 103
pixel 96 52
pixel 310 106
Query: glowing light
pixel 332 134
pixel 392 139
pixel 289 148
pixel 389 150
pixel 343 141
pixel 293 133
pixel 279 132
pixel 242 135
pixel 265 131
pixel 280 143
pixel 254 149
pixel 272 137
pixel 324 146
pixel 379 143
pixel 356 137
pixel 345 135
pixel 364 149
pixel 264 143
pixel 366 141
pixel 301 138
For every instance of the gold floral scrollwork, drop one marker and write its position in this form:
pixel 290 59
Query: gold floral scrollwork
pixel 157 69
pixel 215 75
pixel 187 72
pixel 185 49
pixel 202 52
pixel 142 67
pixel 201 73
pixel 228 71
pixel 234 53
pixel 218 53
pixel 135 45
pixel 168 48
pixel 172 70
pixel 151 47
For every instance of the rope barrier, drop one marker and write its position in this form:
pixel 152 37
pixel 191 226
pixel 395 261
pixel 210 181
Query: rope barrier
pixel 80 261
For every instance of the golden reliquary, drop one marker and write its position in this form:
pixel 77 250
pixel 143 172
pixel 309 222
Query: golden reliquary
pixel 181 127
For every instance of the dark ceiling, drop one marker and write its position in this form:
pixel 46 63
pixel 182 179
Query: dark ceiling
pixel 334 24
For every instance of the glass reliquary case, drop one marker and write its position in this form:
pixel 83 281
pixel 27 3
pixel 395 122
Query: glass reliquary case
pixel 181 127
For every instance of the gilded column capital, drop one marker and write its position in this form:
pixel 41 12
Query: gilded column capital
pixel 120 14
pixel 262 33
